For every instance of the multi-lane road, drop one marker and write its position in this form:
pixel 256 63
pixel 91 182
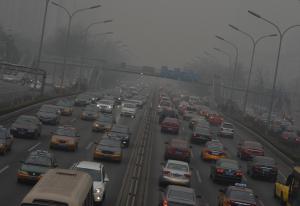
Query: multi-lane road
pixel 11 192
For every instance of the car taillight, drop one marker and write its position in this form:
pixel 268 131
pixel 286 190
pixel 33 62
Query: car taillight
pixel 238 173
pixel 256 167
pixel 209 152
pixel 166 172
pixel 220 170
pixel 165 203
pixel 188 175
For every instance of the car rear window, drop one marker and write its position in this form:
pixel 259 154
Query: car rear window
pixel 174 166
pixel 180 196
pixel 243 195
pixel 229 126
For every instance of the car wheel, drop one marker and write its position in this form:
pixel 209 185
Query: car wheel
pixel 274 193
pixel 282 200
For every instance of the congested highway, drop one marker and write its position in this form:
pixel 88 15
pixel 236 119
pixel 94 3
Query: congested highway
pixel 207 191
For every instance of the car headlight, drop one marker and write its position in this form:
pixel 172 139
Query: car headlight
pixel 109 107
pixel 99 190
pixel 96 125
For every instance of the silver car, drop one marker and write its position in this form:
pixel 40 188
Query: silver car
pixel 106 106
pixel 226 130
pixel 100 179
pixel 175 173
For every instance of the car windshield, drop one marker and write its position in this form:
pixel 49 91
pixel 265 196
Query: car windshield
pixel 242 195
pixel 25 119
pixel 180 196
pixel 38 160
pixel 254 145
pixel 66 132
pixel 95 174
pixel 3 133
pixel 119 130
pixel 229 126
pixel 48 109
pixel 64 103
pixel 108 102
pixel 128 105
pixel 176 166
pixel 228 164
pixel 216 147
pixel 264 161
pixel 109 143
pixel 201 130
pixel 104 118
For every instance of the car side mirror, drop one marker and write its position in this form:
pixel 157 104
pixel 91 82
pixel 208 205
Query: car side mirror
pixel 106 179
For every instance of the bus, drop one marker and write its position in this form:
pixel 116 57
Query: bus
pixel 289 192
pixel 61 187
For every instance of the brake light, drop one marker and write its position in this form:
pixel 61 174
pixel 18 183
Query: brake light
pixel 238 173
pixel 209 152
pixel 220 170
pixel 188 175
pixel 166 172
pixel 165 203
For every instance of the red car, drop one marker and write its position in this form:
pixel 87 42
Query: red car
pixel 248 149
pixel 170 125
pixel 178 149
pixel 290 136
pixel 215 119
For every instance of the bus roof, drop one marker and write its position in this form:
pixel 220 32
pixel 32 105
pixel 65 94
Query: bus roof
pixel 297 171
pixel 61 185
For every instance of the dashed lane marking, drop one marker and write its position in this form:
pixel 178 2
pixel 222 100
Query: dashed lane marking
pixel 73 120
pixel 89 146
pixel 33 147
pixel 198 176
pixel 192 154
pixel 4 168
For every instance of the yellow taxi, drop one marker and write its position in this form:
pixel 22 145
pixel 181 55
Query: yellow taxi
pixel 65 137
pixel 103 124
pixel 213 150
pixel 108 149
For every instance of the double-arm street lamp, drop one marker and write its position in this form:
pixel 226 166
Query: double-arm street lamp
pixel 235 63
pixel 254 44
pixel 70 15
pixel 281 36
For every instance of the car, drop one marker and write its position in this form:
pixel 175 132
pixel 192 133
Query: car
pixel 26 126
pixel 188 115
pixel 65 137
pixel 106 105
pixel 238 194
pixel 164 104
pixel 128 109
pixel 290 137
pixel 179 196
pixel 66 107
pixel 197 120
pixel 213 150
pixel 35 165
pixel 90 113
pixel 178 149
pixel 82 100
pixel 103 123
pixel 170 125
pixel 121 133
pixel 226 170
pixel 264 167
pixel 49 114
pixel 226 130
pixel 100 179
pixel 171 113
pixel 6 140
pixel 215 119
pixel 139 103
pixel 176 173
pixel 201 135
pixel 248 149
pixel 108 149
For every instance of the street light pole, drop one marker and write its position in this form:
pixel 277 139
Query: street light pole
pixel 254 44
pixel 66 47
pixel 235 63
pixel 281 35
pixel 41 48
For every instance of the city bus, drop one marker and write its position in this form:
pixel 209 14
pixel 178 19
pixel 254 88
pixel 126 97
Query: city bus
pixel 61 187
pixel 289 192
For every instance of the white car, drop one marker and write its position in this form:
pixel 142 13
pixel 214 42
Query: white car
pixel 100 178
pixel 176 173
pixel 226 130
pixel 106 106
pixel 128 109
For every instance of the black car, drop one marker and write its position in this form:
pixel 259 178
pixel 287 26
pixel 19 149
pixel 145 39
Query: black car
pixel 201 135
pixel 179 195
pixel 90 112
pixel 82 100
pixel 26 126
pixel 36 164
pixel 226 170
pixel 120 132
pixel 264 167
pixel 6 140
pixel 167 113
pixel 49 114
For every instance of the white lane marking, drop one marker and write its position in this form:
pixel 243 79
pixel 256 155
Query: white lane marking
pixel 73 120
pixel 33 147
pixel 89 146
pixel 198 176
pixel 261 203
pixel 4 168
pixel 192 154
pixel 282 175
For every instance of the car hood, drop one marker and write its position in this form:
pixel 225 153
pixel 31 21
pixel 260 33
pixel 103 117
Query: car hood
pixel 108 148
pixel 46 114
pixel 34 168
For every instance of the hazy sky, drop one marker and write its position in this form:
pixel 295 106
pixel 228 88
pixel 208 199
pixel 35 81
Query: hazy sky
pixel 173 32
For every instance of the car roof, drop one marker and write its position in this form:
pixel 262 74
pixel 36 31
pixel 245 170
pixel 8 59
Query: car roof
pixel 89 165
pixel 177 162
pixel 170 119
pixel 180 188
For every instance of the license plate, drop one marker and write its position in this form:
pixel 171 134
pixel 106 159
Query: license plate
pixel 229 172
